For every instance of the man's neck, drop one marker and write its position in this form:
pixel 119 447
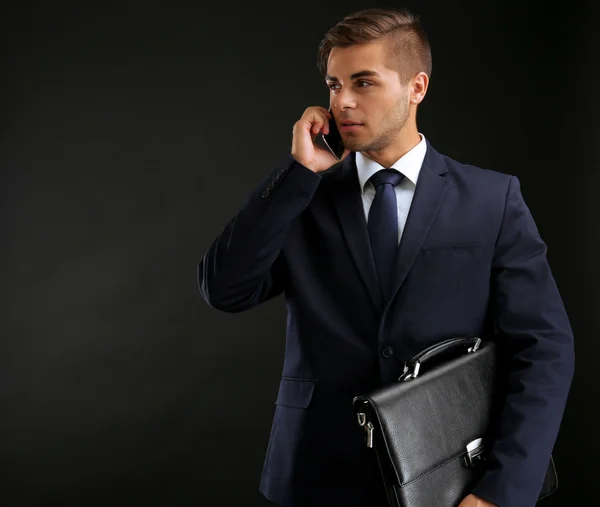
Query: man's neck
pixel 392 153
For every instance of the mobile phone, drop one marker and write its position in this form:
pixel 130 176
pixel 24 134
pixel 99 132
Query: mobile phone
pixel 333 140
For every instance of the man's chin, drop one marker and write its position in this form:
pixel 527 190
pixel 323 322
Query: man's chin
pixel 354 145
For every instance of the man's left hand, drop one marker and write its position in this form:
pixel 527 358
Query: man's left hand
pixel 475 501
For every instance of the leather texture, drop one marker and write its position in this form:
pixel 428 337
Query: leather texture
pixel 422 425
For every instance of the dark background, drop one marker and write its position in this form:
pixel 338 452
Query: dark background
pixel 131 134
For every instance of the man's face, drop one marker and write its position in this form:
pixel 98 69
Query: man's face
pixel 378 102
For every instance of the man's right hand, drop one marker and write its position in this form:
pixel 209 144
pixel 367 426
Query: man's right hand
pixel 304 149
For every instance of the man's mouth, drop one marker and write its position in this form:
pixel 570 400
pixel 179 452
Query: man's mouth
pixel 350 126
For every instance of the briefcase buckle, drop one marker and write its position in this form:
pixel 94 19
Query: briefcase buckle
pixel 475 453
pixel 475 346
pixel 368 426
pixel 406 375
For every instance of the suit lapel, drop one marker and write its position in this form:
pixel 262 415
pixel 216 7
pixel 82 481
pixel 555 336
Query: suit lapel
pixel 429 195
pixel 348 203
pixel 427 200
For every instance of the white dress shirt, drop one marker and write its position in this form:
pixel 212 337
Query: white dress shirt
pixel 409 165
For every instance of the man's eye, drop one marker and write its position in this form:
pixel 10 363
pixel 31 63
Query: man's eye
pixel 333 86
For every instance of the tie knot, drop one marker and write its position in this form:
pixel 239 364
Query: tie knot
pixel 391 176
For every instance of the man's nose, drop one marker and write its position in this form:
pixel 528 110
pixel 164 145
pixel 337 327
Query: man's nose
pixel 344 100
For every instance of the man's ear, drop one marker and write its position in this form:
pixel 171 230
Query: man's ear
pixel 419 84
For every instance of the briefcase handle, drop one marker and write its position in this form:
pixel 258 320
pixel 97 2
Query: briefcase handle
pixel 412 365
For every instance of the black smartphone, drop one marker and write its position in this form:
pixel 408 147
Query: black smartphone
pixel 333 140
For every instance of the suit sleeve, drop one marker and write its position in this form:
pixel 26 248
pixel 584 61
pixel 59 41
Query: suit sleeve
pixel 244 265
pixel 535 334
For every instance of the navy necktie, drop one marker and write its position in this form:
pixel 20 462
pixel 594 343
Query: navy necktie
pixel 383 224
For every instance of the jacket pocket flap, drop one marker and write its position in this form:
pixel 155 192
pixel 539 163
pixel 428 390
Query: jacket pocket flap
pixel 295 393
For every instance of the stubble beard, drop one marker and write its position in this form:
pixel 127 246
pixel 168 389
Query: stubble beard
pixel 390 126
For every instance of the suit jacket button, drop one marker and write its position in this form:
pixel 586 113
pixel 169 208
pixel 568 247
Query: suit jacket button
pixel 265 194
pixel 387 352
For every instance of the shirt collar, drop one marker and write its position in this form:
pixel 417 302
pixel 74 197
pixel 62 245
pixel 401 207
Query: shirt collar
pixel 409 164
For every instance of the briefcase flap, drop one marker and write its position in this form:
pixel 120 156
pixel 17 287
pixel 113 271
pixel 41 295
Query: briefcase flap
pixel 430 420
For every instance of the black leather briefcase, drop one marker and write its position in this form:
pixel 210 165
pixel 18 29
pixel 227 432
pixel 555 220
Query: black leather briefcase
pixel 430 430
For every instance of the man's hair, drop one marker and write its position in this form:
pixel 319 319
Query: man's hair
pixel 407 42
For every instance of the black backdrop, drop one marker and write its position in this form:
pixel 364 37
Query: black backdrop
pixel 132 133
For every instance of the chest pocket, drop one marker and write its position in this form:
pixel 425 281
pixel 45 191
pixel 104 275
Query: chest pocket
pixel 453 251
pixel 439 268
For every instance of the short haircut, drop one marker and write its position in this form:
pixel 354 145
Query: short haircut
pixel 407 41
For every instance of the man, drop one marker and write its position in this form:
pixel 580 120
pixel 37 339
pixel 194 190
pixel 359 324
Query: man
pixel 379 255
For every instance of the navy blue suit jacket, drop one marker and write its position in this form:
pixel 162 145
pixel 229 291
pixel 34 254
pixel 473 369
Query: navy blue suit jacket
pixel 471 263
